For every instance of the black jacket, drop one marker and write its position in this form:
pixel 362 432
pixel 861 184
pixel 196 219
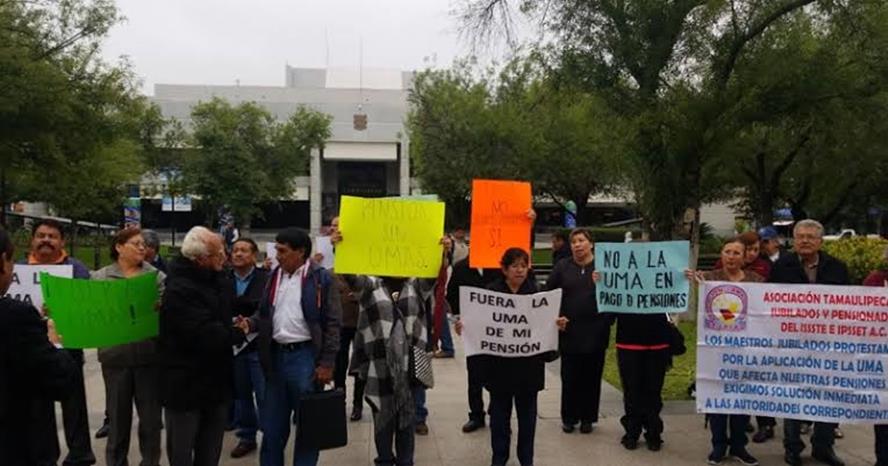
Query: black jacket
pixel 247 304
pixel 588 331
pixel 830 271
pixel 32 371
pixel 196 335
pixel 463 275
pixel 512 375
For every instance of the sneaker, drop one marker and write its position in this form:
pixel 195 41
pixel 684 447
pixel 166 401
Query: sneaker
pixel 744 457
pixel 422 428
pixel 441 354
pixel 763 434
pixel 715 457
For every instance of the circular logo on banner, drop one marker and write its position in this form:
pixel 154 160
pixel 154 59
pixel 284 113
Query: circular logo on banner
pixel 726 308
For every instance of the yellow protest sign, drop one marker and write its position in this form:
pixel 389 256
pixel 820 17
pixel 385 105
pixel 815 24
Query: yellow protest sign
pixel 390 237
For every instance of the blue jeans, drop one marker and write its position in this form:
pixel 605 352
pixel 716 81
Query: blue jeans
pixel 500 425
pixel 419 399
pixel 291 377
pixel 446 338
pixel 248 379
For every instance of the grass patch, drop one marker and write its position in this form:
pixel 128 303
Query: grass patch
pixel 684 367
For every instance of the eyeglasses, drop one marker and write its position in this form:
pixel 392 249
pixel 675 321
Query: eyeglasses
pixel 137 244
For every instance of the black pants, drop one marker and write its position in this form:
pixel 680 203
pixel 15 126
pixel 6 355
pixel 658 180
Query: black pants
pixel 194 438
pixel 823 438
pixel 721 438
pixel 881 432
pixel 476 392
pixel 346 336
pixel 43 436
pixel 500 425
pixel 642 373
pixel 765 421
pixel 581 386
pixel 127 386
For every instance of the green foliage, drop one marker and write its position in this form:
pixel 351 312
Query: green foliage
pixel 862 255
pixel 243 157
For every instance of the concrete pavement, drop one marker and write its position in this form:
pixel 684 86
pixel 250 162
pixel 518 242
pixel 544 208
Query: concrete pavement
pixel 686 440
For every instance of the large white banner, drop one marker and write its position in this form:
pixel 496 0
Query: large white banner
pixel 508 325
pixel 25 285
pixel 810 352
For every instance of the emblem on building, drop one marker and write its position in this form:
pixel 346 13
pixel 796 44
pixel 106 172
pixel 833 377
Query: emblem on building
pixel 360 121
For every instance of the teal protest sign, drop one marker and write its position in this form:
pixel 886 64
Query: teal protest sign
pixel 642 278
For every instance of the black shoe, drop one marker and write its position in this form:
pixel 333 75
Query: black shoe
pixel 630 443
pixel 357 414
pixel 243 449
pixel 568 428
pixel 586 428
pixel 421 428
pixel 827 456
pixel 715 457
pixel 654 445
pixel 472 425
pixel 103 431
pixel 763 434
pixel 749 428
pixel 792 459
pixel 744 457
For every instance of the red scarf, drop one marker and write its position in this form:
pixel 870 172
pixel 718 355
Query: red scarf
pixel 438 313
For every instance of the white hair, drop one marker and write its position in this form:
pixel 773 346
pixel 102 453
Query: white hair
pixel 195 243
pixel 808 223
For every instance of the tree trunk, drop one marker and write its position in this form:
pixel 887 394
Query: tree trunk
pixel 3 197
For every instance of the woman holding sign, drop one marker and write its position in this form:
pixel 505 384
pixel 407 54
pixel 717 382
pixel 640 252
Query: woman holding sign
pixel 734 262
pixel 584 341
pixel 513 380
pixel 131 370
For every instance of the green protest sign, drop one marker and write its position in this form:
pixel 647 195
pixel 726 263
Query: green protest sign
pixel 100 313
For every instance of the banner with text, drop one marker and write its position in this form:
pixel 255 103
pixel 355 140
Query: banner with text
pixel 100 313
pixel 499 220
pixel 25 285
pixel 390 238
pixel 810 352
pixel 642 278
pixel 508 325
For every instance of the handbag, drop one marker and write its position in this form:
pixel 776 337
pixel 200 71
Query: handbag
pixel 676 339
pixel 421 367
pixel 321 423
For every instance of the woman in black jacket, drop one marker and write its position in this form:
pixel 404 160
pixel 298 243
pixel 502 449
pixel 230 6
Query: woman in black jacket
pixel 512 380
pixel 32 372
pixel 584 342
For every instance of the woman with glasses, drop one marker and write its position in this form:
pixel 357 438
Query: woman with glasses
pixel 131 370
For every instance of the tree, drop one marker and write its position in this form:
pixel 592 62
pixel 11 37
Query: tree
pixel 241 156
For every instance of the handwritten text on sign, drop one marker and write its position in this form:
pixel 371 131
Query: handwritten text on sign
pixel 499 220
pixel 390 237
pixel 509 325
pixel 25 285
pixel 794 351
pixel 642 278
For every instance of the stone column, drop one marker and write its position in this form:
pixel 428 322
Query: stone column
pixel 405 168
pixel 314 194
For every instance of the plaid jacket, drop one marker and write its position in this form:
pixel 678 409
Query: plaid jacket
pixel 383 343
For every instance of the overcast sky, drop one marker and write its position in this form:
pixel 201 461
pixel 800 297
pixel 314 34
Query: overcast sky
pixel 221 41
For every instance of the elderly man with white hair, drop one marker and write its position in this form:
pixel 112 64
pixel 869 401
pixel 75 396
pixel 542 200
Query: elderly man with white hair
pixel 196 335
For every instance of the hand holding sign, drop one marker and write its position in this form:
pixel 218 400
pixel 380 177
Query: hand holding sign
pixel 52 334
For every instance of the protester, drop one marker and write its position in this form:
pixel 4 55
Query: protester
pixel 809 265
pixel 196 336
pixel 131 371
pixel 460 245
pixel 48 248
pixel 350 311
pixel 391 327
pixel 513 380
pixel 880 278
pixel 230 233
pixel 33 372
pixel 463 275
pixel 733 259
pixel 152 250
pixel 560 246
pixel 299 320
pixel 584 342
pixel 770 244
pixel 249 382
pixel 753 260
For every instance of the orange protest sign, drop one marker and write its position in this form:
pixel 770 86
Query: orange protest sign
pixel 499 220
